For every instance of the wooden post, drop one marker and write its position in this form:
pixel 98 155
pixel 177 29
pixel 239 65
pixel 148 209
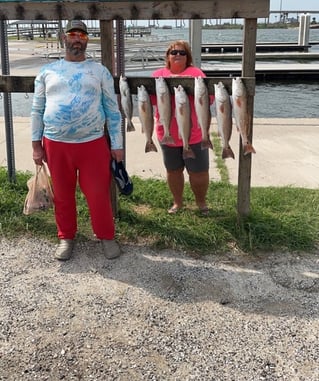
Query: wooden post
pixel 196 41
pixel 248 70
pixel 107 58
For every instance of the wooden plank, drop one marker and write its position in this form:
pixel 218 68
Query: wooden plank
pixel 19 84
pixel 134 10
pixel 244 168
pixel 107 45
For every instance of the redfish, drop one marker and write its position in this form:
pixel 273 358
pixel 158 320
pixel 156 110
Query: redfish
pixel 224 118
pixel 183 118
pixel 145 112
pixel 239 95
pixel 126 103
pixel 163 98
pixel 202 109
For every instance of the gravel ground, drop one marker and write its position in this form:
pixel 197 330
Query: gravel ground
pixel 156 315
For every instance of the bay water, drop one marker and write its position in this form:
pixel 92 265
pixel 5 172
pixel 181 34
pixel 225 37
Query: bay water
pixel 295 99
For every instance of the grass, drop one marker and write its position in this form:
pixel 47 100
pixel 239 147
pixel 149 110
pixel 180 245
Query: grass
pixel 284 218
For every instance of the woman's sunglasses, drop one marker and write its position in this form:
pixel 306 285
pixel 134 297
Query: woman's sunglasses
pixel 81 35
pixel 175 52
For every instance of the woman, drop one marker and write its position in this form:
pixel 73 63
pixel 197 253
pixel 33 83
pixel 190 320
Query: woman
pixel 179 63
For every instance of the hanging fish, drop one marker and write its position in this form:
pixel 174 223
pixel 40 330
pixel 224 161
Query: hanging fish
pixel 239 95
pixel 126 103
pixel 183 118
pixel 202 109
pixel 145 112
pixel 224 118
pixel 163 98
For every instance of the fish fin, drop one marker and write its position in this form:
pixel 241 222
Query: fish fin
pixel 222 108
pixel 130 126
pixel 206 144
pixel 248 148
pixel 150 147
pixel 188 153
pixel 228 152
pixel 168 140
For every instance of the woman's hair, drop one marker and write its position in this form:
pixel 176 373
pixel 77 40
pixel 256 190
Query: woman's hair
pixel 185 46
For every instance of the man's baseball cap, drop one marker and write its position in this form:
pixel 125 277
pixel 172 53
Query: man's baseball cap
pixel 76 25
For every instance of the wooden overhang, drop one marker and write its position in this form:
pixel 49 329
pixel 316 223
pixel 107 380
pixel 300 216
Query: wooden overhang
pixel 133 10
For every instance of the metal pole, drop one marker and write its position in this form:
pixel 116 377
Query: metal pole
pixel 120 67
pixel 7 104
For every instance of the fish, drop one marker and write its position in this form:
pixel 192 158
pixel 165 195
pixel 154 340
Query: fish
pixel 145 113
pixel 163 98
pixel 239 96
pixel 202 109
pixel 183 118
pixel 224 118
pixel 126 103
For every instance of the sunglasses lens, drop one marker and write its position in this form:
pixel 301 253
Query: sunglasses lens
pixel 81 35
pixel 175 52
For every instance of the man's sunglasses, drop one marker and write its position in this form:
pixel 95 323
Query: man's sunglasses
pixel 175 52
pixel 81 35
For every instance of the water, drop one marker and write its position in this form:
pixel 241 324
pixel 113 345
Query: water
pixel 272 99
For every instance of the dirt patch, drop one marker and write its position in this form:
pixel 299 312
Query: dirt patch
pixel 156 315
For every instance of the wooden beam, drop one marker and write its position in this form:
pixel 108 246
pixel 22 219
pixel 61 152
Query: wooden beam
pixel 133 10
pixel 18 84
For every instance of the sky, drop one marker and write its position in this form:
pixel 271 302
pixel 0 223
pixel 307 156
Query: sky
pixel 295 5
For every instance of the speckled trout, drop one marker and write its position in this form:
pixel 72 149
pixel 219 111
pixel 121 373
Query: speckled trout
pixel 163 98
pixel 239 95
pixel 145 113
pixel 183 118
pixel 224 118
pixel 202 109
pixel 126 103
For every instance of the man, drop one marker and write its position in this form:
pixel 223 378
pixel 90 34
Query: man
pixel 73 99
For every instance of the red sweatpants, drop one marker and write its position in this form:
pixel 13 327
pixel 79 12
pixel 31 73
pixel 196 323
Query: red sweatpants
pixel 89 165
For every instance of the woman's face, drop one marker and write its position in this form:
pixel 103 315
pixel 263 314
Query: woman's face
pixel 177 56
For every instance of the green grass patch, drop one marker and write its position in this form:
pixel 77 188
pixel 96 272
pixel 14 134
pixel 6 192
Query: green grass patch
pixel 281 218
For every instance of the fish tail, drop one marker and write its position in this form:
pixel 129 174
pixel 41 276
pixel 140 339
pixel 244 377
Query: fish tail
pixel 188 153
pixel 168 140
pixel 130 126
pixel 150 147
pixel 228 152
pixel 206 144
pixel 248 148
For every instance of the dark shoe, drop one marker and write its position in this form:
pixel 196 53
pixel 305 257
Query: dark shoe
pixel 111 249
pixel 64 250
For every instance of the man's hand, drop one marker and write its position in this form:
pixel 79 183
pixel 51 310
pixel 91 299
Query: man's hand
pixel 38 152
pixel 117 154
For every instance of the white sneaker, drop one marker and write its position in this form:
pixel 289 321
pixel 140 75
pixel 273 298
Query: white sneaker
pixel 64 250
pixel 111 249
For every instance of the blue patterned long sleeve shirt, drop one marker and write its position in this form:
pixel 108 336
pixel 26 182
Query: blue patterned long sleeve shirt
pixel 72 101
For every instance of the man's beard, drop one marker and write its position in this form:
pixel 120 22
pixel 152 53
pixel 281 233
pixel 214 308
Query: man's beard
pixel 76 50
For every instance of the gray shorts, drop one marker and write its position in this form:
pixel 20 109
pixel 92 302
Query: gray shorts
pixel 173 158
